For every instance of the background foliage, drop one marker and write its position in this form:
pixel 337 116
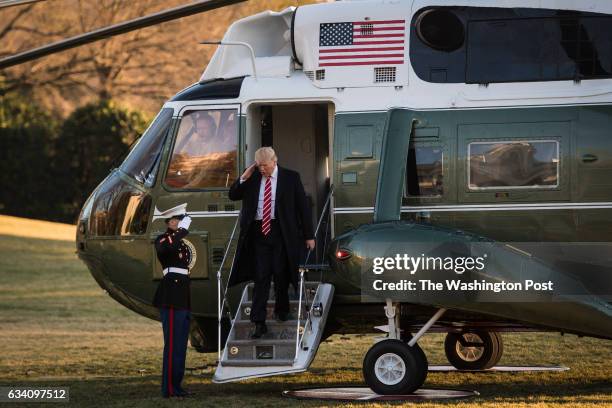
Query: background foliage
pixel 48 167
pixel 65 118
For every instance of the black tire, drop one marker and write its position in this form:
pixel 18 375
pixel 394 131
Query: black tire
pixel 421 360
pixel 408 380
pixel 485 355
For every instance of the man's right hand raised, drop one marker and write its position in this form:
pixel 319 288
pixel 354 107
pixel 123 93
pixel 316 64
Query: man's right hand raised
pixel 248 172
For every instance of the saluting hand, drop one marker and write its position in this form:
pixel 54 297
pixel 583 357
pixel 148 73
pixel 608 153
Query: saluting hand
pixel 185 222
pixel 249 171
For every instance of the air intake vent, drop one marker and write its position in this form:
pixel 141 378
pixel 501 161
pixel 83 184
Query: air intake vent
pixel 212 207
pixel 229 207
pixel 309 74
pixel 217 256
pixel 366 29
pixel 320 74
pixel 384 74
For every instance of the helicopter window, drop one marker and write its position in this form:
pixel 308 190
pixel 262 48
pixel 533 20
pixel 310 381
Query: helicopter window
pixel 440 29
pixel 142 160
pixel 539 49
pixel 424 171
pixel 489 44
pixel 205 153
pixel 119 209
pixel 513 164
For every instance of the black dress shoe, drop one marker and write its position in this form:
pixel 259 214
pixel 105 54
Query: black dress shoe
pixel 283 317
pixel 260 330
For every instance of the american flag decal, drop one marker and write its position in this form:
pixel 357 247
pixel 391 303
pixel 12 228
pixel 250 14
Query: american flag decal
pixel 361 43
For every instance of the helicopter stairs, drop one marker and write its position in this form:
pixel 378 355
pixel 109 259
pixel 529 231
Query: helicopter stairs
pixel 287 347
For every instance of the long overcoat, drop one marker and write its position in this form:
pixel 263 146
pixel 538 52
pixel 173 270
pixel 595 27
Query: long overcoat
pixel 292 211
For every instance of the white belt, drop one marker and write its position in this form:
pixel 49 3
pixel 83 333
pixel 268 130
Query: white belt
pixel 176 270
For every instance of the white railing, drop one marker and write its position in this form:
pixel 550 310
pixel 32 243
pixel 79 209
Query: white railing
pixel 222 301
pixel 303 290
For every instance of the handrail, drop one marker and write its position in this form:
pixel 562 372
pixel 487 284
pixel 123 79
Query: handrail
pixel 298 338
pixel 221 303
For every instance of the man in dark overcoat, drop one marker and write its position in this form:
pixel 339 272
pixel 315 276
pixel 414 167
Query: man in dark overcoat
pixel 275 225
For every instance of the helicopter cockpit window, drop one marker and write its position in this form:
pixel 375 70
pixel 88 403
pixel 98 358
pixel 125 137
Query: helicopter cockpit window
pixel 424 171
pixel 513 164
pixel 142 161
pixel 119 209
pixel 205 153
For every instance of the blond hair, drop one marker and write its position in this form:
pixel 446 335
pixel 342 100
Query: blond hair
pixel 264 154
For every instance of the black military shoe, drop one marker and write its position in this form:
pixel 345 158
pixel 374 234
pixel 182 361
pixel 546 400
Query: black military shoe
pixel 185 393
pixel 260 330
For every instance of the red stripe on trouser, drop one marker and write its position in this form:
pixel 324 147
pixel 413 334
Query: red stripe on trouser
pixel 170 335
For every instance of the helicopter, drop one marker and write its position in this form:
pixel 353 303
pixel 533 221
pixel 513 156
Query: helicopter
pixel 423 130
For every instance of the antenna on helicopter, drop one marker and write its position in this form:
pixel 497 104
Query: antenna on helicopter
pixel 244 44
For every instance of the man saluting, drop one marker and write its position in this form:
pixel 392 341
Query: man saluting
pixel 275 224
pixel 173 298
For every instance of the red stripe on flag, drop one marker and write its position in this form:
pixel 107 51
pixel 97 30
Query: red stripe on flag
pixel 358 29
pixel 337 64
pixel 380 22
pixel 332 57
pixel 327 51
pixel 378 42
pixel 379 35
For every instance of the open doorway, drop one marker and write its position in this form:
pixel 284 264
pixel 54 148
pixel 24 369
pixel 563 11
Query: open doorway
pixel 300 133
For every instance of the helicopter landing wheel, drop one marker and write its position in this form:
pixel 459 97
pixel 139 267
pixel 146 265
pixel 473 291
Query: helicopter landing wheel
pixel 393 367
pixel 473 350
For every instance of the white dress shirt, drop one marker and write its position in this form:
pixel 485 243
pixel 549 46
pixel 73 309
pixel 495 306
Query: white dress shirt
pixel 262 189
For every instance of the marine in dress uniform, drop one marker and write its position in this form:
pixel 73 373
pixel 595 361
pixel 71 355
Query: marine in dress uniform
pixel 173 298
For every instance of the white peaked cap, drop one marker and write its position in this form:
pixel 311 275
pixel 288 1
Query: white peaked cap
pixel 178 210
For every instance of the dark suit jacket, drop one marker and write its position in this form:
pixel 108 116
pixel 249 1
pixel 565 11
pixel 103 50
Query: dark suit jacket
pixel 292 211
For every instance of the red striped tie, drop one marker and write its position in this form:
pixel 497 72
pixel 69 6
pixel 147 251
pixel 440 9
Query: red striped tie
pixel 267 207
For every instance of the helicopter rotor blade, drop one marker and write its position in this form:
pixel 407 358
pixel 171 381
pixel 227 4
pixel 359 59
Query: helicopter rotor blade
pixel 115 29
pixel 11 3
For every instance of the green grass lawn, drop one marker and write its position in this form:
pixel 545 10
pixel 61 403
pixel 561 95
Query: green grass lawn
pixel 58 328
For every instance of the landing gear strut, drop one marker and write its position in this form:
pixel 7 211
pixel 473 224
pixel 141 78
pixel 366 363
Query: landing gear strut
pixel 474 349
pixel 395 366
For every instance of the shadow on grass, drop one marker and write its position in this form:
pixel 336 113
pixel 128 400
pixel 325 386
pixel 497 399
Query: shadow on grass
pixel 145 390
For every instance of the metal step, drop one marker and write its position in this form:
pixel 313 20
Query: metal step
pixel 310 286
pixel 260 349
pixel 316 267
pixel 275 352
pixel 257 363
pixel 243 329
pixel 245 309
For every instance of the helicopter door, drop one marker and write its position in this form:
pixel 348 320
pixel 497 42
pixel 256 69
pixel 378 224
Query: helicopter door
pixel 357 141
pixel 201 165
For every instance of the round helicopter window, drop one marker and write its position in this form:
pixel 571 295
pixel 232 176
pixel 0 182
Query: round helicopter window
pixel 440 29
